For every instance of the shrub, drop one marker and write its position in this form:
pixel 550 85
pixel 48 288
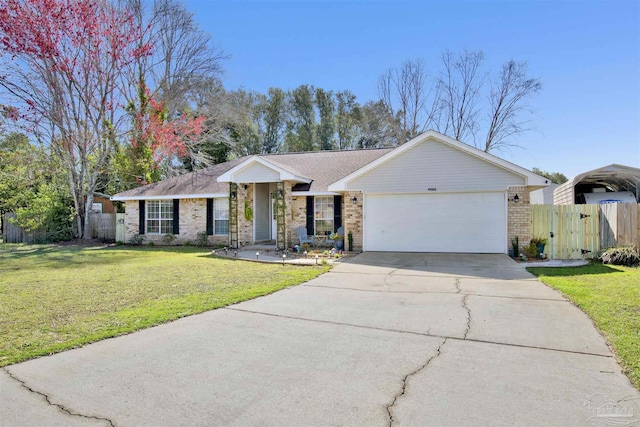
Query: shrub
pixel 202 239
pixel 47 213
pixel 539 240
pixel 168 239
pixel 136 239
pixel 626 255
pixel 530 251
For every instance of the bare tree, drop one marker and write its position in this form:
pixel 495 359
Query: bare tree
pixel 184 57
pixel 233 121
pixel 508 100
pixel 216 144
pixel 406 92
pixel 455 105
pixel 459 94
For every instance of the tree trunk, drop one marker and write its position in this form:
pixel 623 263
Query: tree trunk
pixel 87 217
pixel 76 204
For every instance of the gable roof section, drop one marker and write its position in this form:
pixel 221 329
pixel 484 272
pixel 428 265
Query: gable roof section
pixel 259 169
pixel 326 167
pixel 198 184
pixel 530 179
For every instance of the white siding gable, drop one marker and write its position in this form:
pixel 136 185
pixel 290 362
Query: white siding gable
pixel 433 164
pixel 257 172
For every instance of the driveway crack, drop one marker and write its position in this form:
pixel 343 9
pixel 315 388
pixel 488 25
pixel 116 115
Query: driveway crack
pixel 405 380
pixel 386 282
pixel 399 331
pixel 466 307
pixel 57 405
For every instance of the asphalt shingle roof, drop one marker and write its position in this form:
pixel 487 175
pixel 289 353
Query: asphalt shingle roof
pixel 323 167
pixel 203 181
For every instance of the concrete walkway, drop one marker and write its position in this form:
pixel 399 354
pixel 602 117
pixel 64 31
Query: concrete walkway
pixel 381 340
pixel 268 254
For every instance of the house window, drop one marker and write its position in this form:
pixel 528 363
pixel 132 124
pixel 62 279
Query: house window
pixel 323 215
pixel 96 207
pixel 221 216
pixel 159 216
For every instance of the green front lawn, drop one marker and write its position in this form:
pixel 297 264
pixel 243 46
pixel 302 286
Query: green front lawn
pixel 610 295
pixel 56 298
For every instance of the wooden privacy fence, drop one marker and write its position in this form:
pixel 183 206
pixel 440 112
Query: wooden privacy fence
pixel 581 231
pixel 619 225
pixel 12 233
pixel 103 226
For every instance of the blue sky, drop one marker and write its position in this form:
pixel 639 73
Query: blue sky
pixel 585 53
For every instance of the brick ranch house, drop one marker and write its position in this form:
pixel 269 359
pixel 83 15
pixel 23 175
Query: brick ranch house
pixel 432 194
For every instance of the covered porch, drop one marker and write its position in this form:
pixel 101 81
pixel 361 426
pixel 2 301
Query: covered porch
pixel 259 198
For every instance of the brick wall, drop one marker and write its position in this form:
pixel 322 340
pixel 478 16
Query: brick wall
pixel 519 217
pixel 193 220
pixel 298 218
pixel 131 218
pixel 352 219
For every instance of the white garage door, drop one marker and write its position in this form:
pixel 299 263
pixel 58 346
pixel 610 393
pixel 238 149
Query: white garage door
pixel 460 222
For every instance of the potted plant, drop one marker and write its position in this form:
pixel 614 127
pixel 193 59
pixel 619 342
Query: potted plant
pixel 540 242
pixel 514 252
pixel 338 241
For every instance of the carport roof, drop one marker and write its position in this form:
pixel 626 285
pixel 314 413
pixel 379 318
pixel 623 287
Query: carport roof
pixel 617 177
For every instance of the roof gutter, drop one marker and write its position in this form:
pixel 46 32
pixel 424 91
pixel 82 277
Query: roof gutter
pixel 171 197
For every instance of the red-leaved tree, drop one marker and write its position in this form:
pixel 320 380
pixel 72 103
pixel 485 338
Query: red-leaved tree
pixel 63 64
pixel 156 138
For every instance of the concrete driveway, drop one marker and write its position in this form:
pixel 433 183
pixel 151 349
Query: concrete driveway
pixel 384 339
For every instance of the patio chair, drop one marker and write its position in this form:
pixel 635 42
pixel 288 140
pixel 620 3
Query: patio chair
pixel 303 236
